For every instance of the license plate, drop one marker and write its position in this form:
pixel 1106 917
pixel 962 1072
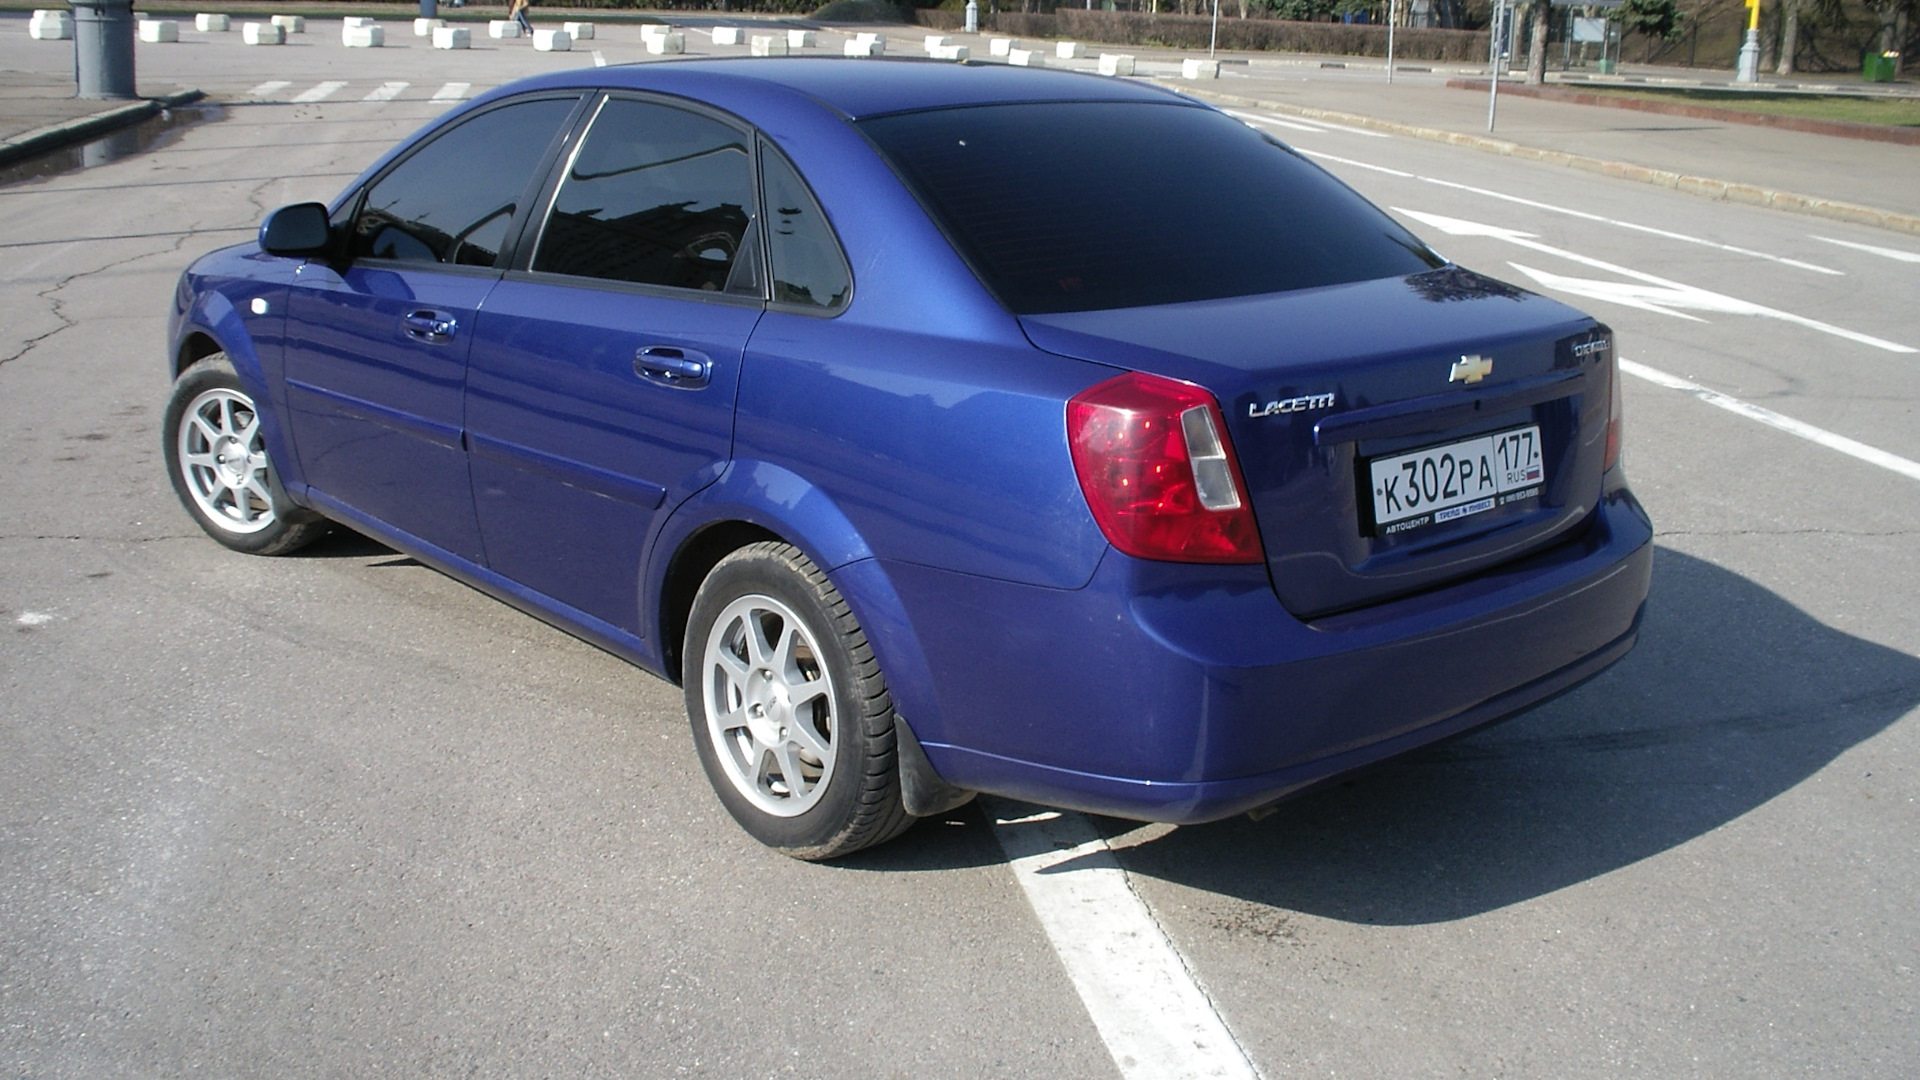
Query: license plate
pixel 1455 480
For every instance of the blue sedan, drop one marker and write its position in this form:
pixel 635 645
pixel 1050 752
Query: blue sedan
pixel 940 428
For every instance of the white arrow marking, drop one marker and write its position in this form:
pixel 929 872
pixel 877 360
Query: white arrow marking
pixel 1663 297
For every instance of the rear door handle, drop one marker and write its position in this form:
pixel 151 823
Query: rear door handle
pixel 670 365
pixel 432 326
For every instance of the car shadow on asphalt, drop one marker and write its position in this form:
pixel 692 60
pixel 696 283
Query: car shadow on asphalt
pixel 1732 696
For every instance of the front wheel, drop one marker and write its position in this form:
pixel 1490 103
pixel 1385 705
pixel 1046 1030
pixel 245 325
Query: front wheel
pixel 217 459
pixel 790 713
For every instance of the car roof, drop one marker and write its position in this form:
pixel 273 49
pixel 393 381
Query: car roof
pixel 863 88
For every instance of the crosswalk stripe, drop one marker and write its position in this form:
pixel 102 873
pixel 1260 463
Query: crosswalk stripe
pixel 318 93
pixel 266 88
pixel 387 91
pixel 453 91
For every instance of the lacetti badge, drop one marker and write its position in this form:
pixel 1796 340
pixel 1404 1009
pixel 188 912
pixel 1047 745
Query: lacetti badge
pixel 1471 369
pixel 1307 403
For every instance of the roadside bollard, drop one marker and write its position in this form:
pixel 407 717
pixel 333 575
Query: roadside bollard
pixel 103 48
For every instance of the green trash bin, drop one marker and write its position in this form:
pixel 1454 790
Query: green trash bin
pixel 1604 67
pixel 1879 67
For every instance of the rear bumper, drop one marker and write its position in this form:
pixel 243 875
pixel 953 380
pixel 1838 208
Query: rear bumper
pixel 1188 694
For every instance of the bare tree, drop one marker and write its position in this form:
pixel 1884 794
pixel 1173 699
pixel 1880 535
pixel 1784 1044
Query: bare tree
pixel 1537 43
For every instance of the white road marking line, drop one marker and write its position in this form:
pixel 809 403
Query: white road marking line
pixel 387 91
pixel 1665 296
pixel 34 618
pixel 1312 125
pixel 1873 455
pixel 599 58
pixel 1891 253
pixel 317 93
pixel 1155 1020
pixel 266 88
pixel 1250 118
pixel 1584 216
pixel 453 91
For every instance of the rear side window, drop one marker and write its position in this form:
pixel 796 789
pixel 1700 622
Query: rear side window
pixel 656 195
pixel 808 269
pixel 1083 206
pixel 453 200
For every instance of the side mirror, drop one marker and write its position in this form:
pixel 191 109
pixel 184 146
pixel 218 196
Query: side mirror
pixel 300 229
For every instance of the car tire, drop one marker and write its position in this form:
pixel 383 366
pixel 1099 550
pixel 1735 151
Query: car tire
pixel 789 709
pixel 217 460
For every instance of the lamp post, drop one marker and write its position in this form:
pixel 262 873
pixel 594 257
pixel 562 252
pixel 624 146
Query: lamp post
pixel 1500 19
pixel 1749 67
pixel 1393 7
pixel 103 48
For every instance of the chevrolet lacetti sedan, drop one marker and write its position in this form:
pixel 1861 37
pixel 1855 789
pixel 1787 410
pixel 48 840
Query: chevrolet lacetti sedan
pixel 940 428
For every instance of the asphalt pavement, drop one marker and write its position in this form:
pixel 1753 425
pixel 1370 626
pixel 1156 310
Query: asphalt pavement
pixel 339 815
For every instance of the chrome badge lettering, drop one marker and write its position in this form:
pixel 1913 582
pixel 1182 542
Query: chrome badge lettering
pixel 1587 348
pixel 1471 369
pixel 1308 403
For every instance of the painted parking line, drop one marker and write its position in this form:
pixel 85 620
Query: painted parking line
pixel 320 92
pixel 1852 448
pixel 1301 124
pixel 386 91
pixel 1631 226
pixel 1885 253
pixel 453 91
pixel 271 87
pixel 1644 291
pixel 1155 1019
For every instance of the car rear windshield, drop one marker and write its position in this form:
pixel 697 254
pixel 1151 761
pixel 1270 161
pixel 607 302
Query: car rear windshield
pixel 1084 206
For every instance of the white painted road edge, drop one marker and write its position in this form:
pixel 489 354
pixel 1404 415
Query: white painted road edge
pixel 1153 1016
pixel 1870 454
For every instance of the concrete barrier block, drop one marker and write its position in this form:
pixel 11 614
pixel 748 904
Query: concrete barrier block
pixel 50 26
pixel 726 35
pixel 861 47
pixel 1001 46
pixel 578 31
pixel 154 31
pixel 254 33
pixel 1116 63
pixel 767 45
pixel 503 28
pixel 951 52
pixel 935 41
pixel 363 37
pixel 292 24
pixel 212 23
pixel 359 20
pixel 654 30
pixel 452 37
pixel 1191 68
pixel 801 39
pixel 1069 50
pixel 552 41
pixel 1026 58
pixel 668 44
pixel 425 27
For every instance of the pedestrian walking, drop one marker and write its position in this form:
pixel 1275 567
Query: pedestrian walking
pixel 518 13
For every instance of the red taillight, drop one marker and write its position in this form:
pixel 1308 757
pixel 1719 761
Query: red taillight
pixel 1616 422
pixel 1157 470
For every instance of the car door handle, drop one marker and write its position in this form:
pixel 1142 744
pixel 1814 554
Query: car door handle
pixel 670 365
pixel 431 326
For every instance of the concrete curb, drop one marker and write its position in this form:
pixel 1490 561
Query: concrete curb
pixel 67 132
pixel 1844 129
pixel 1708 187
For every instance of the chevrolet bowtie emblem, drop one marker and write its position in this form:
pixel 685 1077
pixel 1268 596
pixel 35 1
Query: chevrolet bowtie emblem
pixel 1471 369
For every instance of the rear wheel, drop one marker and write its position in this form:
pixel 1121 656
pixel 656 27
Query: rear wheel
pixel 217 459
pixel 790 713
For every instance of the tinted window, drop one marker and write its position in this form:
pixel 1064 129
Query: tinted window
pixel 1084 206
pixel 454 199
pixel 655 195
pixel 808 268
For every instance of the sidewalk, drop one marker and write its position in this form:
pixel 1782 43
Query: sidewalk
pixel 38 112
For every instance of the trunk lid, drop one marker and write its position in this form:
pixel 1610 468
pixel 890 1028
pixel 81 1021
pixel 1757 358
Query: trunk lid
pixel 1319 385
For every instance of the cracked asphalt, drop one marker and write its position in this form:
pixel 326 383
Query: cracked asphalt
pixel 338 815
